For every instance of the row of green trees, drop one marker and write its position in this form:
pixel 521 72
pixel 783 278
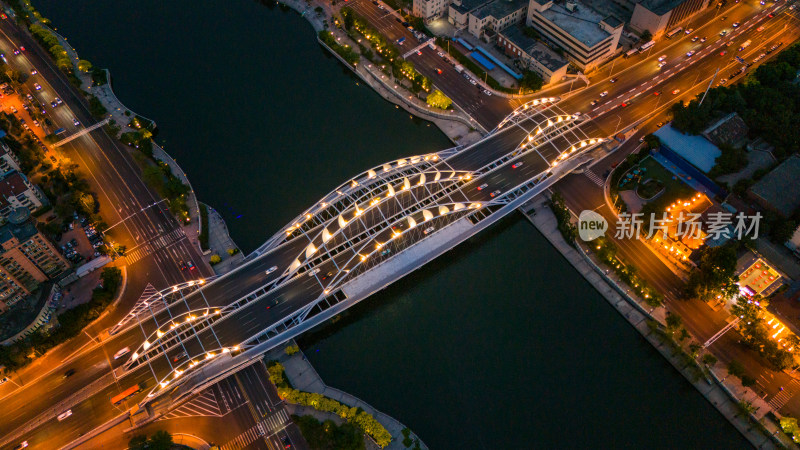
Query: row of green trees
pixel 756 333
pixel 345 51
pixel 768 101
pixel 168 186
pixel 606 251
pixel 70 323
pixel 357 416
pixel 329 436
pixel 564 218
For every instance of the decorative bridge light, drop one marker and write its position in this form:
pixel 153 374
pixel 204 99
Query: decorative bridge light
pixel 210 355
pixel 530 138
pixel 226 350
pixel 406 184
pixel 371 174
pixel 235 348
pixel 389 191
pixel 475 205
pixel 387 167
pixel 159 333
pixel 426 215
pixel 363 258
pixel 146 344
pixel 538 131
pixel 326 291
pixel 468 177
pixel 421 179
pixel 378 245
pixel 174 288
pixel 164 383
pixel 359 211
pixel 217 312
pixel 135 356
pixel 401 162
pixel 583 144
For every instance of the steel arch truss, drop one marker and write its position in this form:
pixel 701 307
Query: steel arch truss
pixel 154 302
pixel 526 111
pixel 348 193
pixel 192 364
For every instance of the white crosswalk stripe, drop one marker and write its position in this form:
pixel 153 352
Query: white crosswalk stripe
pixel 153 245
pixel 203 405
pixel 593 177
pixel 785 395
pixel 271 425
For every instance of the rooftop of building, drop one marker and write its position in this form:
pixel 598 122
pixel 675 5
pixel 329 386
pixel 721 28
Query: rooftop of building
pixel 12 184
pixel 467 5
pixel 499 8
pixel 583 23
pixel 615 13
pixel 660 7
pixel 779 187
pixel 730 129
pixel 538 51
pixel 699 151
pixel 22 231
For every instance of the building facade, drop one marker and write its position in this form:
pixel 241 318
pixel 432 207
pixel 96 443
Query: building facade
pixel 587 37
pixel 429 9
pixel 660 16
pixel 532 54
pixel 16 191
pixel 496 15
pixel 8 161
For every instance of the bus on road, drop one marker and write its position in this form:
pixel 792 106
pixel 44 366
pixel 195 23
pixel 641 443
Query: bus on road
pixel 647 45
pixel 631 52
pixel 672 33
pixel 122 396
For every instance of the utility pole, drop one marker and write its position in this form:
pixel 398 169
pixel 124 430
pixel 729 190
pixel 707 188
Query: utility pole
pixel 709 86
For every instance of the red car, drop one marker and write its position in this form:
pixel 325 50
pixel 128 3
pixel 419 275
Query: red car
pixel 191 265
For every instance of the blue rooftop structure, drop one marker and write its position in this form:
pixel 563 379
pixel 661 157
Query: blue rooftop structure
pixel 699 151
pixel 482 61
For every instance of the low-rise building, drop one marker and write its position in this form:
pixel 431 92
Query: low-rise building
pixel 588 36
pixel 16 191
pixel 496 15
pixel 27 255
pixel 429 9
pixel 458 12
pixel 777 190
pixel 532 54
pixel 8 160
pixel 660 16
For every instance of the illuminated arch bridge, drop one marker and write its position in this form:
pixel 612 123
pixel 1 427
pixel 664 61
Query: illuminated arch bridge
pixel 363 235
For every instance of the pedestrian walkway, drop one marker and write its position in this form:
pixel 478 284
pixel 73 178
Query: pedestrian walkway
pixel 220 241
pixel 302 376
pixel 266 427
pixel 155 244
pixel 785 395
pixel 593 177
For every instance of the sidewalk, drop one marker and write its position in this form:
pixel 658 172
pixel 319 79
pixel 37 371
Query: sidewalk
pixel 302 376
pixel 219 241
pixel 724 396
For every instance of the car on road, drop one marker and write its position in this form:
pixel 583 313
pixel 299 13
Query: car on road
pixel 723 33
pixel 735 25
pixel 487 92
pixel 723 18
pixel 689 31
pixel 272 269
pixel 191 265
pixel 482 187
pixel 603 94
pixel 662 58
pixel 495 193
pixel 311 273
pixel 13 110
pixel 36 122
pixel 696 38
pixel 419 52
pixel 761 28
pixel 690 53
pixel 441 55
pixel 58 100
pixel 473 82
pixel 179 356
pixel 676 92
pixel 703 39
pixel 75 122
pixel 380 6
pixel 327 275
pixel 660 124
pixel 64 415
pixel 517 165
pixel 594 102
pixel 34 72
pixel 386 251
pixel 662 64
pixel 429 230
pixel 68 373
pixel 16 51
pixel 3 16
pixel 439 71
pixel 37 86
pixel 4 380
pixel 723 81
pixel 723 53
pixel 641 139
pixel 53 104
pixel 286 443
pixel 613 80
pixel 657 93
pixel 183 265
pixel 122 352
pixel 22 444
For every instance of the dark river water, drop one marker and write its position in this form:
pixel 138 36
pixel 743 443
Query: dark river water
pixel 499 344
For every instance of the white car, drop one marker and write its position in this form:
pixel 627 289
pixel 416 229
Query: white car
pixel 429 230
pixel 735 25
pixel 662 64
pixel 441 54
pixel 37 86
pixel 495 193
pixel 662 57
pixel 482 187
pixel 313 272
pixel 64 415
pixel 4 380
pixel 487 92
pixel 473 81
pixel 690 53
pixel 517 164
pixel 272 269
pixel 34 72
pixel 122 353
pixel 75 122
pixel 603 94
